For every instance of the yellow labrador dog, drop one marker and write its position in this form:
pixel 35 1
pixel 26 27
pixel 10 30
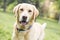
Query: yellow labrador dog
pixel 25 27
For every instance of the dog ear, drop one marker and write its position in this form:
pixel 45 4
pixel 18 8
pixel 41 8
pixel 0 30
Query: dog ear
pixel 16 9
pixel 35 12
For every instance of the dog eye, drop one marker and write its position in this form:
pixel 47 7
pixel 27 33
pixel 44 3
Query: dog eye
pixel 21 9
pixel 29 11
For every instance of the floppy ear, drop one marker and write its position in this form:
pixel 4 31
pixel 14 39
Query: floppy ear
pixel 35 12
pixel 16 9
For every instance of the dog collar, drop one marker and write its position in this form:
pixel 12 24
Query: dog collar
pixel 22 29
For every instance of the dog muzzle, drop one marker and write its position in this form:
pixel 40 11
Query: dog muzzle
pixel 24 20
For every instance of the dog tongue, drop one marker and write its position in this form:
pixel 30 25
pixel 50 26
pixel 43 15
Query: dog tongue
pixel 23 23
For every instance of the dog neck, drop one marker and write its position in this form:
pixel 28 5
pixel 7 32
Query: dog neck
pixel 18 29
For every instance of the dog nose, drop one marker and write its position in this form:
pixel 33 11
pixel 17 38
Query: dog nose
pixel 24 17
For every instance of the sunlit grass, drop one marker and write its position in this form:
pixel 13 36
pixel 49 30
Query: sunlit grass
pixel 6 25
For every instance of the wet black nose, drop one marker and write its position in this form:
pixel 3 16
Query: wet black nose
pixel 24 17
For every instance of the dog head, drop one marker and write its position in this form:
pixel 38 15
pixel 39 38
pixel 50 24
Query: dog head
pixel 25 13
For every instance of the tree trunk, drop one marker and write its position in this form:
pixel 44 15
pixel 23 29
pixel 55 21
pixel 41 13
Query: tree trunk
pixel 5 4
pixel 45 8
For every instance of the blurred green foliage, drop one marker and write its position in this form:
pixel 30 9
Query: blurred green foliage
pixel 11 6
pixel 12 2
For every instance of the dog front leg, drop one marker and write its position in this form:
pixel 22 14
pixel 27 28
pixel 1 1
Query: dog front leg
pixel 14 36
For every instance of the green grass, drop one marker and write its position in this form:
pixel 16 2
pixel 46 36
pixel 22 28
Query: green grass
pixel 6 24
pixel 6 27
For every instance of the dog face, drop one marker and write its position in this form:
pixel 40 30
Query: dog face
pixel 25 13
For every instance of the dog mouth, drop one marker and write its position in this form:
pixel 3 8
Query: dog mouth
pixel 23 23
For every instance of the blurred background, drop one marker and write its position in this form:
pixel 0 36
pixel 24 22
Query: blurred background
pixel 49 12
